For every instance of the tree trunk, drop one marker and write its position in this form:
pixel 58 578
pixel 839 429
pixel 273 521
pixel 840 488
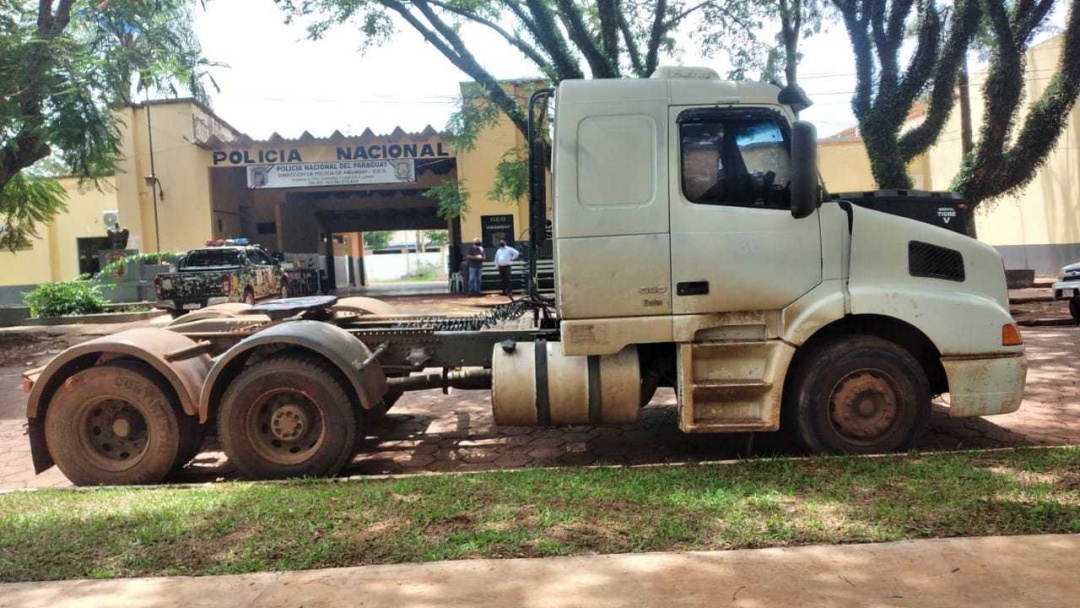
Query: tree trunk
pixel 886 162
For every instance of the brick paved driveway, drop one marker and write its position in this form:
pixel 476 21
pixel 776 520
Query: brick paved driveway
pixel 427 431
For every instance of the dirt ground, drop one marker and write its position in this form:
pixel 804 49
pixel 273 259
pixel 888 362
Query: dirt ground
pixel 428 431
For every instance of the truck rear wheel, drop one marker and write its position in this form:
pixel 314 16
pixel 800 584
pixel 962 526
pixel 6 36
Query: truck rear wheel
pixel 858 395
pixel 287 416
pixel 118 424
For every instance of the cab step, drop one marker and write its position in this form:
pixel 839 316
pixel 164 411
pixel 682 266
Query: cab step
pixel 731 386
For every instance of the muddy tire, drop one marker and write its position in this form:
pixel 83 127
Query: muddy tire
pixel 249 297
pixel 118 424
pixel 857 395
pixel 1074 308
pixel 287 416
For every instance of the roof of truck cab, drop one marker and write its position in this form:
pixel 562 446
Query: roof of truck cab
pixel 675 91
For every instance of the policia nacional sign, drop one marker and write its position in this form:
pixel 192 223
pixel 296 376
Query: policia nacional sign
pixel 264 156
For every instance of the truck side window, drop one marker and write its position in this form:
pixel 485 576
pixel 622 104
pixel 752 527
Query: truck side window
pixel 260 258
pixel 739 161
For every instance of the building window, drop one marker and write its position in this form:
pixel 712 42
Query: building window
pixel 266 227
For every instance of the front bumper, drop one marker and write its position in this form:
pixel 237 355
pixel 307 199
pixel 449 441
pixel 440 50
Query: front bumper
pixel 985 386
pixel 1066 289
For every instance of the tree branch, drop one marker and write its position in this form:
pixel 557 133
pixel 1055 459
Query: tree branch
pixel 631 47
pixel 516 41
pixel 965 24
pixel 549 36
pixel 993 172
pixel 855 22
pixel 922 64
pixel 575 27
pixel 453 49
pixel 656 34
pixel 608 12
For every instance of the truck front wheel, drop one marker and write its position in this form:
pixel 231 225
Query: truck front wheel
pixel 858 395
pixel 1074 308
pixel 287 416
pixel 118 424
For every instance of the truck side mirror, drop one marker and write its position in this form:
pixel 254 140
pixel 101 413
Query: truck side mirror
pixel 805 190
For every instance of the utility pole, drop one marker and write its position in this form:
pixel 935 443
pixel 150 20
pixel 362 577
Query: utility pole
pixel 153 173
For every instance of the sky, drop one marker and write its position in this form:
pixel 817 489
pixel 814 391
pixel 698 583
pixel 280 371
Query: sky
pixel 275 79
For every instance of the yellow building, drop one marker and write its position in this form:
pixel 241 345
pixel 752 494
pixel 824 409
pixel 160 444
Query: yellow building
pixel 187 176
pixel 1039 228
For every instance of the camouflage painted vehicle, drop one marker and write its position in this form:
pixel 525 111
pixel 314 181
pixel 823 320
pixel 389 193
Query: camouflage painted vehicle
pixel 215 275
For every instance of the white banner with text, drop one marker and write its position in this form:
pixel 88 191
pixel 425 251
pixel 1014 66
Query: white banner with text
pixel 341 173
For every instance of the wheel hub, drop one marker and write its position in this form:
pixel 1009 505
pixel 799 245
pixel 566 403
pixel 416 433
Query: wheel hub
pixel 864 406
pixel 116 430
pixel 285 426
pixel 288 422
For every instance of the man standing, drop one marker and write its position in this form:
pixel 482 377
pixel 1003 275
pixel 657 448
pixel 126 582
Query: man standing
pixel 475 257
pixel 504 259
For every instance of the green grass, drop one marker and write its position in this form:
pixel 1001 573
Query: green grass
pixel 246 527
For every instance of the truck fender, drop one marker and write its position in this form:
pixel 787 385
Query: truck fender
pixel 329 342
pixel 147 344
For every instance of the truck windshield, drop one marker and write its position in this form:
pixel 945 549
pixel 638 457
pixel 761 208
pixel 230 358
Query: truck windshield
pixel 735 160
pixel 213 257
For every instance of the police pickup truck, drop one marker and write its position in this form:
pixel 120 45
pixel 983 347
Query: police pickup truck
pixel 219 274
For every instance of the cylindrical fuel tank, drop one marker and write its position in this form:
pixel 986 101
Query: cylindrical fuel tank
pixel 535 384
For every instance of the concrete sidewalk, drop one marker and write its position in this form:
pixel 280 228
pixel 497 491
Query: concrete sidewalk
pixel 1014 571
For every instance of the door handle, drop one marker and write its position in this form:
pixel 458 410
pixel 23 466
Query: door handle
pixel 692 288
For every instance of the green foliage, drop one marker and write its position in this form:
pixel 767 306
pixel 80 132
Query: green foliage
pixel 378 239
pixel 25 202
pixel 886 90
pixel 439 238
pixel 62 298
pixel 63 66
pixel 1006 158
pixel 511 177
pixel 474 113
pixel 113 267
pixel 452 197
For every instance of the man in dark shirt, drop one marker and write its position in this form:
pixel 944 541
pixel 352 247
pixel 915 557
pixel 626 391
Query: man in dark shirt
pixel 475 258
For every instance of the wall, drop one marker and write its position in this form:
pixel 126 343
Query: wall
pixel 183 213
pixel 54 254
pixel 845 167
pixel 476 169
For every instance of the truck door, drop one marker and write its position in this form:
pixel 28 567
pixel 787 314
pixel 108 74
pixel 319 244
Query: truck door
pixel 264 273
pixel 734 244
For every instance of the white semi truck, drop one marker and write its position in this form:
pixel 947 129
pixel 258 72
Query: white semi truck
pixel 694 248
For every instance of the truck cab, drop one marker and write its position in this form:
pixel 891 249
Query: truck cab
pixel 682 232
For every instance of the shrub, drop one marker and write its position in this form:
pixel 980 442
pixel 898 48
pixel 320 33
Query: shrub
pixel 77 297
pixel 116 268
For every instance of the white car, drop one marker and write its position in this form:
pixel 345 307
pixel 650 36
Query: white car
pixel 1068 286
